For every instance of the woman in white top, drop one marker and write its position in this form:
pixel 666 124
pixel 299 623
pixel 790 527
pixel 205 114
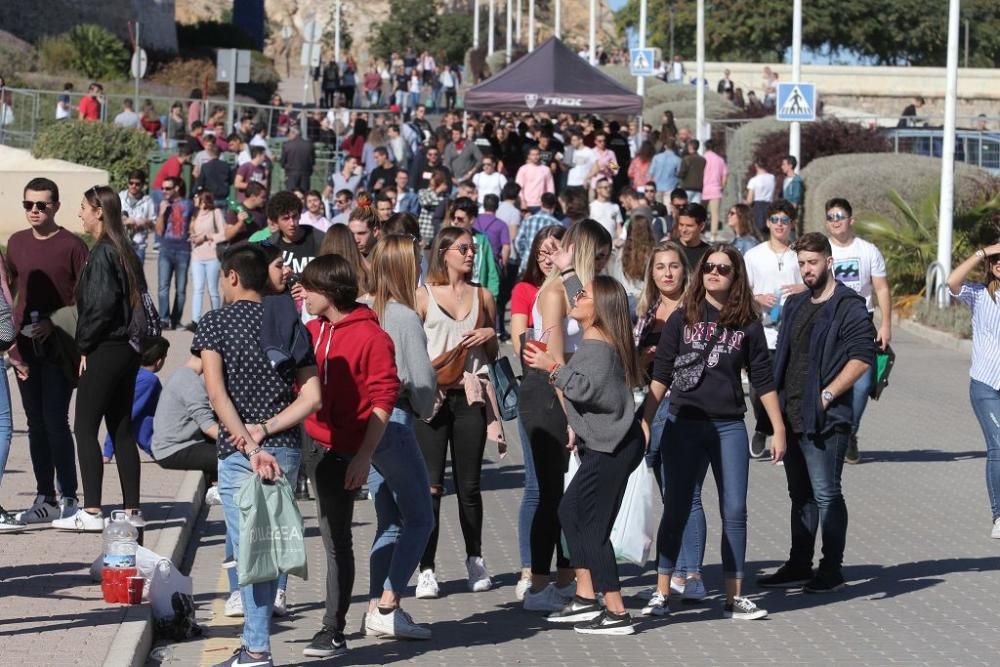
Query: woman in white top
pixel 760 193
pixel 457 318
pixel 543 416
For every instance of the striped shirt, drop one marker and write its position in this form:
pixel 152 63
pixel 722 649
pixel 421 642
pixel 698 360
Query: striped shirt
pixel 985 333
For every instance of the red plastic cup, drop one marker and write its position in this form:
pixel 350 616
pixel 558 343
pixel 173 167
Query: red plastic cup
pixel 539 345
pixel 135 588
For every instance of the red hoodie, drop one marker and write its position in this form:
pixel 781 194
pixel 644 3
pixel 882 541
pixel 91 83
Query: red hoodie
pixel 357 370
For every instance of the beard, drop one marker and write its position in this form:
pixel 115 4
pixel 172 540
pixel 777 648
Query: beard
pixel 819 283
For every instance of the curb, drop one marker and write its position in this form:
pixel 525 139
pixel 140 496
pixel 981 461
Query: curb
pixel 934 336
pixel 134 637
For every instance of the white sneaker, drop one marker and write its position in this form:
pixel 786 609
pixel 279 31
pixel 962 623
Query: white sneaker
pixel 397 624
pixel 234 605
pixel 212 497
pixel 479 578
pixel 995 534
pixel 548 599
pixel 68 507
pixel 694 590
pixel 523 586
pixel 280 603
pixel 676 587
pixel 41 511
pixel 427 586
pixel 82 521
pixel 657 605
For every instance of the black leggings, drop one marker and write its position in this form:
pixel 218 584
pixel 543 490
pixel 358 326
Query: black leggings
pixel 463 426
pixel 591 503
pixel 200 456
pixel 545 423
pixel 105 391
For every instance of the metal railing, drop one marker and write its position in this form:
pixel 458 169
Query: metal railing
pixel 936 285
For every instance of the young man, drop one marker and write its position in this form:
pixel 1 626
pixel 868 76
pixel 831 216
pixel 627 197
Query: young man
pixel 713 185
pixel 692 171
pixel 173 223
pixel 260 416
pixel 791 187
pixel 484 270
pixel 299 244
pixel 406 198
pixel 363 223
pixel 605 211
pixel 535 180
pixel 384 173
pixel 343 206
pixel 531 225
pixel 90 104
pixel 128 118
pixel 688 230
pixel 46 261
pixel 215 176
pixel 184 427
pixel 663 170
pixel 348 178
pixel 825 346
pixel 138 212
pixel 859 265
pixel 385 201
pixel 146 396
pixel 489 181
pixel 171 168
pixel 462 156
pixel 759 195
pixel 773 275
pixel 250 217
pixel 254 171
pixel 298 156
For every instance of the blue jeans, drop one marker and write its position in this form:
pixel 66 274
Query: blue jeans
pixel 398 482
pixel 692 553
pixel 140 251
pixel 529 499
pixel 6 422
pixel 204 273
pixel 691 445
pixel 986 404
pixel 813 468
pixel 859 397
pixel 46 395
pixel 258 599
pixel 173 265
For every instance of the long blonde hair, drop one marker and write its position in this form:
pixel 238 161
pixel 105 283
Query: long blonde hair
pixel 650 292
pixel 587 238
pixel 394 273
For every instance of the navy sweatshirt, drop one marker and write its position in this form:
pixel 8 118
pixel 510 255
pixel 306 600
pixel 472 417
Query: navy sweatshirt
pixel 719 395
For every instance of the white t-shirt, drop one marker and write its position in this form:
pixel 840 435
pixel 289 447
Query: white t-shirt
pixel 489 184
pixel 856 264
pixel 762 186
pixel 766 273
pixel 583 161
pixel 608 214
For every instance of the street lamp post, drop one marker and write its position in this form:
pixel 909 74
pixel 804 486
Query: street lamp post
pixel 558 25
pixel 491 26
pixel 593 32
pixel 531 25
pixel 945 216
pixel 475 25
pixel 336 32
pixel 640 83
pixel 700 84
pixel 795 129
pixel 509 36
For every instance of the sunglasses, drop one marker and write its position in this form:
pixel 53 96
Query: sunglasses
pixel 780 220
pixel 836 217
pixel 722 269
pixel 37 205
pixel 464 248
pixel 993 259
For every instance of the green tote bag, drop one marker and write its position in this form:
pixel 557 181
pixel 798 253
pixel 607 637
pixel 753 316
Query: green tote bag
pixel 271 532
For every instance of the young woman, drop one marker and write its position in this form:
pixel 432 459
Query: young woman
pixel 740 221
pixel 8 522
pixel 207 228
pixel 109 288
pixel 704 346
pixel 340 241
pixel 522 301
pixel 985 375
pixel 543 415
pixel 597 387
pixel 398 477
pixel 628 263
pixel 457 316
pixel 638 168
pixel 666 280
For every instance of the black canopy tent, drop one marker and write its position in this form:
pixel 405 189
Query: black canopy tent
pixel 555 79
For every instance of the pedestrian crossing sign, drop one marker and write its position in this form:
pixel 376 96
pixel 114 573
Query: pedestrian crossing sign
pixel 796 101
pixel 641 62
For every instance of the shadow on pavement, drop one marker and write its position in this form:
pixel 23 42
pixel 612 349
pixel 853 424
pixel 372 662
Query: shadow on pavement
pixel 919 456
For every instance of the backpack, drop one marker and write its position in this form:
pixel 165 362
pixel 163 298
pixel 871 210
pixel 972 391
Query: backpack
pixel 142 318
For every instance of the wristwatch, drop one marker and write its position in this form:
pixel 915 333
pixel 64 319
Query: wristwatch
pixel 980 253
pixel 828 396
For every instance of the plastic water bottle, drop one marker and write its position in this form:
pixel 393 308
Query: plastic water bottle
pixel 36 345
pixel 120 547
pixel 775 313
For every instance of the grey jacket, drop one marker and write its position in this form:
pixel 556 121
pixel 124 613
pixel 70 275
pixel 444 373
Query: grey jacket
pixel 417 379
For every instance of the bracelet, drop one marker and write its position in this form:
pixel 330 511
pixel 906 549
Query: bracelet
pixel 554 372
pixel 568 271
pixel 981 253
pixel 250 455
pixel 267 431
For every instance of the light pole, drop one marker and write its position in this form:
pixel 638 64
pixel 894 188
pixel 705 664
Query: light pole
pixel 336 32
pixel 491 24
pixel 593 32
pixel 509 40
pixel 640 83
pixel 558 26
pixel 531 25
pixel 517 34
pixel 700 105
pixel 945 215
pixel 475 25
pixel 795 129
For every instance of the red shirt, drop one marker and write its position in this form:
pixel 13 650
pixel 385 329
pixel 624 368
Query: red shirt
pixel 170 169
pixel 46 272
pixel 90 108
pixel 522 300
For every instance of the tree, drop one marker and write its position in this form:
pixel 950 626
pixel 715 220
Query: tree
pixel 417 24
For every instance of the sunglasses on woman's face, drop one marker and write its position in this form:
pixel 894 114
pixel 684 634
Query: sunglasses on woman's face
pixel 722 269
pixel 464 248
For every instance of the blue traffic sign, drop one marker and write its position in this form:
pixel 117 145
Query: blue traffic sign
pixel 641 62
pixel 796 102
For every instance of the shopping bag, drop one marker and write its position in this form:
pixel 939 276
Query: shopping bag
pixel 271 539
pixel 166 581
pixel 634 532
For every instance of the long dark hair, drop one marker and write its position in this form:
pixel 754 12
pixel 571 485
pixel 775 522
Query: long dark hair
pixel 113 232
pixel 740 308
pixel 532 271
pixel 611 316
pixel 639 242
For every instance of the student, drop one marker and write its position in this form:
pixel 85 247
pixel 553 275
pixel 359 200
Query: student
pixel 260 414
pixel 146 396
pixel 597 387
pixel 360 385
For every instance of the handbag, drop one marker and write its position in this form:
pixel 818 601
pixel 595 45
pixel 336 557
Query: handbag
pixel 884 361
pixel 271 532
pixel 505 385
pixel 690 367
pixel 142 318
pixel 450 365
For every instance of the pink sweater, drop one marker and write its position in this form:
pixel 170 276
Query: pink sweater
pixel 715 176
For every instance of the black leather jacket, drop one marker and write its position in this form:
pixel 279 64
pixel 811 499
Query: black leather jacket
pixel 101 300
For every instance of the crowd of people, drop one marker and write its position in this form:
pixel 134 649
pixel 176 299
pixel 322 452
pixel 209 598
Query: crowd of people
pixel 350 334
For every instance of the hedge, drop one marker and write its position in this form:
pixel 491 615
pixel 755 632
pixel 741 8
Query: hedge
pixel 114 149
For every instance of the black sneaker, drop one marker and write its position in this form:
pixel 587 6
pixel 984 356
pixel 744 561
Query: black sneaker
pixel 825 582
pixel 607 623
pixel 787 576
pixel 326 643
pixel 302 488
pixel 758 445
pixel 576 610
pixel 852 455
pixel 242 657
pixel 743 609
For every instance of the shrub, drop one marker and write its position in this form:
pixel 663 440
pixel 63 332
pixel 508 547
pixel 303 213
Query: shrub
pixel 188 73
pixel 205 35
pixel 100 145
pixel 56 53
pixel 16 56
pixel 955 319
pixel 820 139
pixel 98 53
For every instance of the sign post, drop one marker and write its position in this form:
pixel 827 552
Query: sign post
pixel 311 32
pixel 232 66
pixel 138 65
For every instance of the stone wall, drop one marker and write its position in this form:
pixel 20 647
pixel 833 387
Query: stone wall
pixel 31 20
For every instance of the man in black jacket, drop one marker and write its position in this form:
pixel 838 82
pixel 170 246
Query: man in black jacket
pixel 297 159
pixel 215 176
pixel 825 344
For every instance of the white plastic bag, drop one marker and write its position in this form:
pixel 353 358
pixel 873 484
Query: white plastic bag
pixel 634 532
pixel 166 581
pixel 145 563
pixel 574 465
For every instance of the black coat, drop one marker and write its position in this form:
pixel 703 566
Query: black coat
pixel 102 299
pixel 298 156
